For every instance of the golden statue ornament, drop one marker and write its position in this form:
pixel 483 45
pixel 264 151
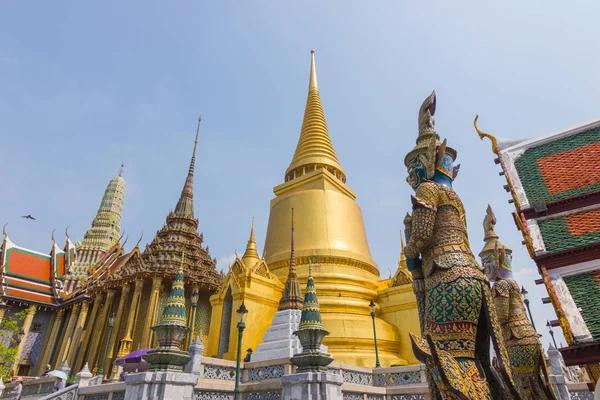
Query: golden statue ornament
pixel 520 337
pixel 456 310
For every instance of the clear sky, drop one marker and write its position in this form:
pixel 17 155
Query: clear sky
pixel 85 86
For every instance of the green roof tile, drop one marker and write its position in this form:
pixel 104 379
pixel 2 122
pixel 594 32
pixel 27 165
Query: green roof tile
pixel 585 289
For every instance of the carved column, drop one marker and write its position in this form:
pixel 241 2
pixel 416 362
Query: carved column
pixel 66 337
pixel 83 349
pixel 75 343
pixel 125 345
pixel 48 343
pixel 26 327
pixel 115 333
pixel 98 334
pixel 151 315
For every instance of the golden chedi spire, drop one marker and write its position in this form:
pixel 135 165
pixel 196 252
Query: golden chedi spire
pixel 329 231
pixel 402 275
pixel 314 149
pixel 250 257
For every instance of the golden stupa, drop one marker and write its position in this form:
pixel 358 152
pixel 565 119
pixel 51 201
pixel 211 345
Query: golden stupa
pixel 329 233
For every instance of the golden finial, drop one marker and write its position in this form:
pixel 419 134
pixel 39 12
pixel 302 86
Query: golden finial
pixel 140 239
pixel 487 135
pixel 4 230
pixel 312 84
pixel 126 239
pixel 252 231
pixel 67 232
pixel 53 241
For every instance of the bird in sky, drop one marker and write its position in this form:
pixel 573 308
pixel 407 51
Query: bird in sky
pixel 28 217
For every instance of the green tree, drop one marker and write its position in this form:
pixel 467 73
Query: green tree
pixel 9 341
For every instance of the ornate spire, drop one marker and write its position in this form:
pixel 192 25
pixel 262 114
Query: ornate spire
pixel 402 276
pixel 314 147
pixel 185 205
pixel 311 314
pixel 171 330
pixel 174 311
pixel 250 257
pixel 292 298
pixel 311 332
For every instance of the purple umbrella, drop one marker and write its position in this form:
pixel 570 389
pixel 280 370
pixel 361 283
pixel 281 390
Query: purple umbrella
pixel 134 357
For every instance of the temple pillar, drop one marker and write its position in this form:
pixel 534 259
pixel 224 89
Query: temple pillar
pixel 125 345
pixel 192 317
pixel 75 343
pixel 26 327
pixel 83 349
pixel 98 343
pixel 151 315
pixel 66 337
pixel 46 344
pixel 49 346
pixel 115 332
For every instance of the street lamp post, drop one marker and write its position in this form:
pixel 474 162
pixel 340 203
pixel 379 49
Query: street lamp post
pixel 242 314
pixel 372 307
pixel 525 295
pixel 551 331
pixel 111 323
pixel 195 298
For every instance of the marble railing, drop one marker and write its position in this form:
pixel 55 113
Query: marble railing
pixel 106 391
pixel 32 388
pixel 68 393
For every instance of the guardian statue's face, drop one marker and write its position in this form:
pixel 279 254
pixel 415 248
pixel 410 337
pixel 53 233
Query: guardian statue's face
pixel 416 172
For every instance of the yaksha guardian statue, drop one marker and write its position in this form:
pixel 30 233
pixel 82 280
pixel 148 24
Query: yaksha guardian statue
pixel 456 310
pixel 521 339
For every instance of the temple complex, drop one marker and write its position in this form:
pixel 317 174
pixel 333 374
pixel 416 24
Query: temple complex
pixel 554 182
pixel 71 294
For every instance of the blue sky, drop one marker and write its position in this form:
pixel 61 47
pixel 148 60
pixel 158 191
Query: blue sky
pixel 84 87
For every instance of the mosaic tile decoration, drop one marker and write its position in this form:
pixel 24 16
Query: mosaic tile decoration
pixel 259 374
pixel 353 396
pixel 581 395
pixel 218 372
pixel 263 396
pixel 198 395
pixel 408 397
pixel 360 378
pixel 399 378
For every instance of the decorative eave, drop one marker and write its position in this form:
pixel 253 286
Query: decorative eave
pixel 588 353
pixel 568 257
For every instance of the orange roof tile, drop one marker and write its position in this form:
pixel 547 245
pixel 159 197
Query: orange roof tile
pixel 582 223
pixel 571 169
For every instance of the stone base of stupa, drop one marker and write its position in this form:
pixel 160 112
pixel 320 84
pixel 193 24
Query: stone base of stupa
pixel 279 341
pixel 312 386
pixel 159 385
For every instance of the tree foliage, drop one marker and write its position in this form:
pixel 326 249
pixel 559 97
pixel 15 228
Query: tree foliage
pixel 9 341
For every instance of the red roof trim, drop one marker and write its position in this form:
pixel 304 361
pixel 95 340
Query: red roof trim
pixel 587 353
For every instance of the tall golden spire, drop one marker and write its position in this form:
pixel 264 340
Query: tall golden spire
pixel 314 149
pixel 250 257
pixel 185 205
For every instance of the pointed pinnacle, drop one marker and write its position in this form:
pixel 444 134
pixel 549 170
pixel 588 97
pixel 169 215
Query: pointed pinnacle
pixel 312 84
